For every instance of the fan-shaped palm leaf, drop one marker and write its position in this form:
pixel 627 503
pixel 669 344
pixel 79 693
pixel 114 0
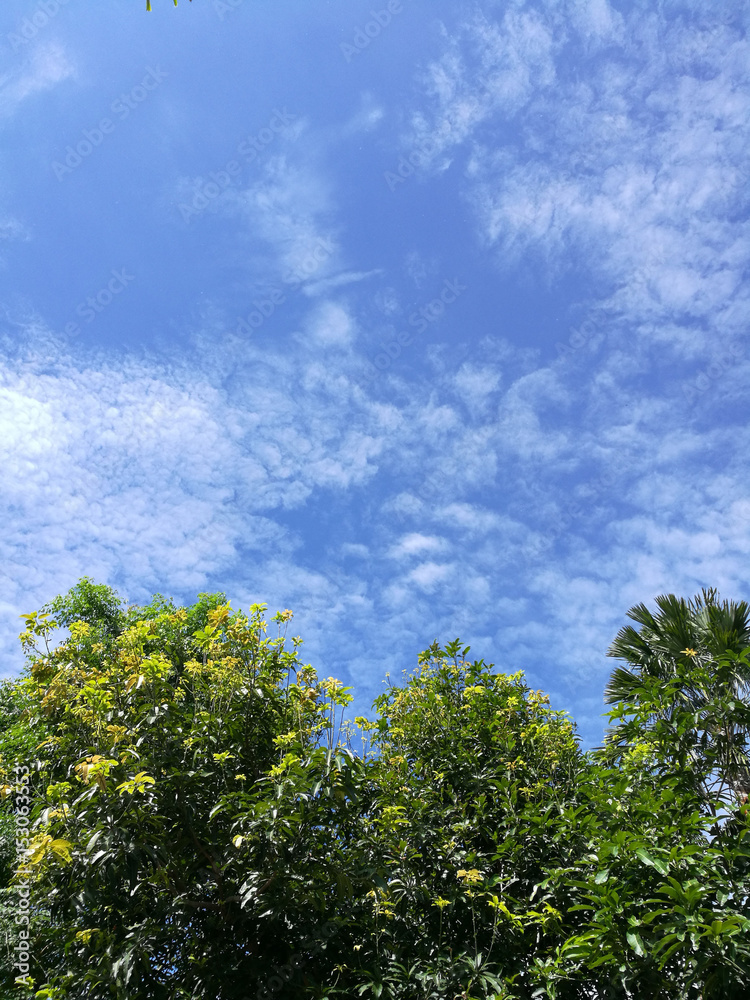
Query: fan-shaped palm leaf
pixel 700 642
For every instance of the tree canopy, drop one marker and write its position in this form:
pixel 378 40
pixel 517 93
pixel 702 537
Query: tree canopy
pixel 201 826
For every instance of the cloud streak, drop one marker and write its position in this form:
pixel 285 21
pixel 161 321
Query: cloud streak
pixel 47 66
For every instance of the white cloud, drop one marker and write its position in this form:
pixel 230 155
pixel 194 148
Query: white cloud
pixel 416 544
pixel 132 471
pixel 476 382
pixel 48 66
pixel 356 551
pixel 517 60
pixel 12 229
pixel 366 120
pixel 157 477
pixel 290 209
pixel 597 22
pixel 428 575
pixel 628 170
pixel 338 280
pixel 330 325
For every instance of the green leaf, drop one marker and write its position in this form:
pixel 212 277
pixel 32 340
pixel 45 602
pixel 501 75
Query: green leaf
pixel 636 943
pixel 647 859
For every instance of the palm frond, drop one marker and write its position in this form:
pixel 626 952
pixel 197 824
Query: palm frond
pixel 622 686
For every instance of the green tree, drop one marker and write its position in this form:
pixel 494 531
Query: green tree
pixel 18 740
pixel 202 829
pixel 694 651
pixel 459 833
pixel 155 735
pixel 664 880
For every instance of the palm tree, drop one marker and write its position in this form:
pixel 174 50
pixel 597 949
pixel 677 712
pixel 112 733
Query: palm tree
pixel 701 642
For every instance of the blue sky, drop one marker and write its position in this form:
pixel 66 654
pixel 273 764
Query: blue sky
pixel 424 323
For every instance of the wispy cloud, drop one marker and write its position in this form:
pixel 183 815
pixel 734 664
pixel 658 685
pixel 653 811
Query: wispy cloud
pixel 159 476
pixel 132 471
pixel 625 165
pixel 330 325
pixel 326 285
pixel 48 66
pixel 11 231
pixel 416 544
pixel 290 209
